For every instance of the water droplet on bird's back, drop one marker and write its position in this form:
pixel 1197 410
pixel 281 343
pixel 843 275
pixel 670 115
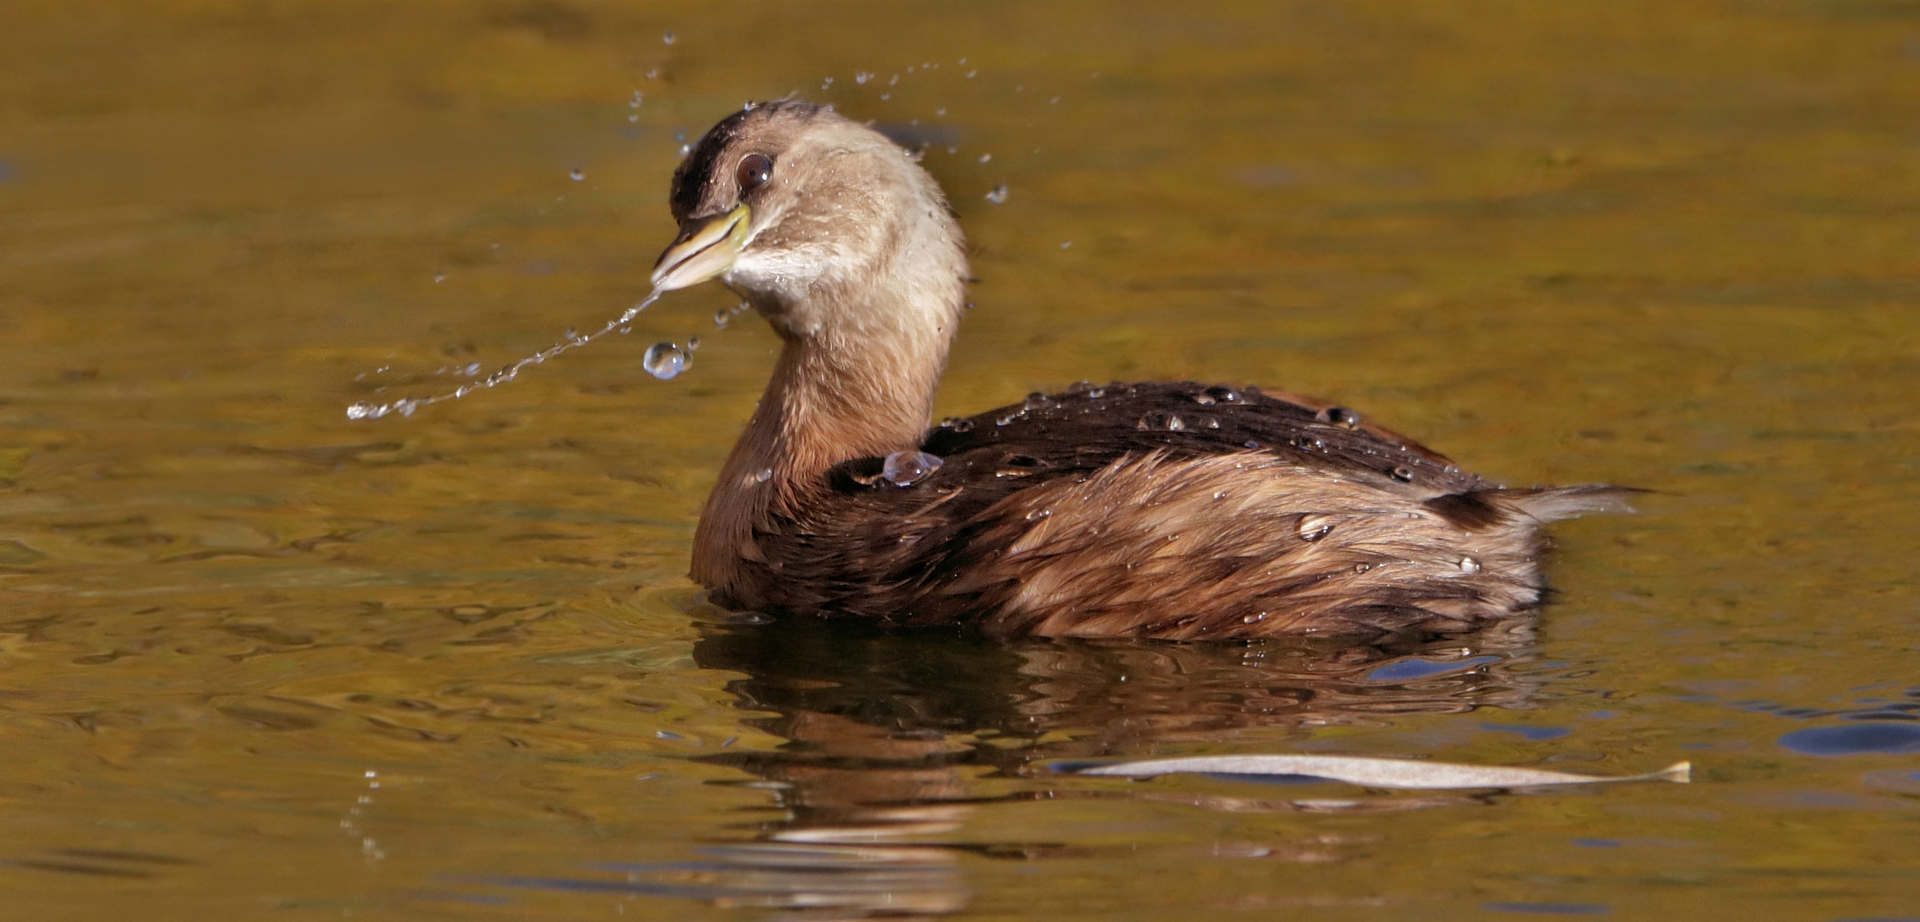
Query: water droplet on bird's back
pixel 1160 419
pixel 1315 527
pixel 906 468
pixel 1339 416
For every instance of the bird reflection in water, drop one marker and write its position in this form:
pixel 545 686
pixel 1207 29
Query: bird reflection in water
pixel 893 737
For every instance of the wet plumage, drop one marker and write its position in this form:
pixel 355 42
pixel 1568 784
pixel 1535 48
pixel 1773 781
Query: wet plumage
pixel 1167 510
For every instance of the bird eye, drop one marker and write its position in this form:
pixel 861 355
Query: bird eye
pixel 754 171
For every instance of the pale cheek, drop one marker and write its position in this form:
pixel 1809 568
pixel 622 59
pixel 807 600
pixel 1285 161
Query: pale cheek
pixel 784 275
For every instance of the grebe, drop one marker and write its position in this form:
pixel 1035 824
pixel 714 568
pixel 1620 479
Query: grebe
pixel 1164 510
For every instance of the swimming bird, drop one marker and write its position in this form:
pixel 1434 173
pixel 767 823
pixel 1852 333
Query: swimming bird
pixel 1172 510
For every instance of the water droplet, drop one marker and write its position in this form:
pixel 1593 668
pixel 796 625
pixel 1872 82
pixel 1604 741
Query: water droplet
pixel 1254 618
pixel 971 73
pixel 1037 401
pixel 1205 400
pixel 861 77
pixel 986 158
pixel 939 111
pixel 576 174
pixel 693 344
pixel 957 424
pixel 1469 566
pixel 1315 527
pixel 1251 444
pixel 1224 394
pixel 906 468
pixel 1339 416
pixel 895 81
pixel 664 360
pixel 686 149
pixel 1308 443
pixel 364 411
pixel 668 38
pixel 1038 514
pixel 998 195
pixel 1096 393
pixel 1403 473
pixel 1065 244
pixel 634 103
pixel 1362 567
pixel 439 277
pixel 1220 494
pixel 763 475
pixel 624 330
pixel 826 83
pixel 1160 419
pixel 885 96
pixel 1010 418
pixel 721 316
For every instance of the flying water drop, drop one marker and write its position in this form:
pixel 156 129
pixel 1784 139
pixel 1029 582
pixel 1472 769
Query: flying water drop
pixel 573 339
pixel 665 360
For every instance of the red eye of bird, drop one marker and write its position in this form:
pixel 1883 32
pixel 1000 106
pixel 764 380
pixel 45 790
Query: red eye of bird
pixel 754 171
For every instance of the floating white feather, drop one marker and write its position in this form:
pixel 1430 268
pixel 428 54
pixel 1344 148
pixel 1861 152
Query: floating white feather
pixel 1375 773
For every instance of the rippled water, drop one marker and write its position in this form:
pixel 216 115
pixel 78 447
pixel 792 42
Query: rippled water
pixel 260 660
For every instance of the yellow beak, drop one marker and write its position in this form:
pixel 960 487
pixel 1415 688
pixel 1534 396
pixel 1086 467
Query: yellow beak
pixel 705 249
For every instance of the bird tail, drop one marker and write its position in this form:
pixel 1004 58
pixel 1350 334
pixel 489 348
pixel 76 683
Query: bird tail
pixel 1547 504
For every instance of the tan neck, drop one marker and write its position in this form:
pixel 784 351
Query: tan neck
pixel 837 394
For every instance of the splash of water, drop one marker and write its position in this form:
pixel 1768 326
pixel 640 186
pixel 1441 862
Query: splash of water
pixel 406 406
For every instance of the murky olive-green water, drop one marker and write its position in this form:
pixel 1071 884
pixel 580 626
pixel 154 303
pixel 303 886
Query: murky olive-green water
pixel 258 661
